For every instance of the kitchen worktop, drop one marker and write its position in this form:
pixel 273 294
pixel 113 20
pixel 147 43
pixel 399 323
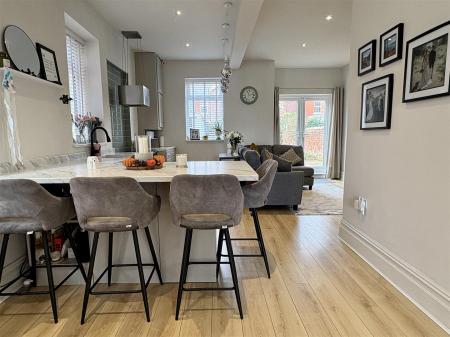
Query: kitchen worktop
pixel 112 167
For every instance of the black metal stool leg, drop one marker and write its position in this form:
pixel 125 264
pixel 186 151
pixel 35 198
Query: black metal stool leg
pixel 110 253
pixel 219 252
pixel 89 277
pixel 184 268
pixel 141 274
pixel 152 250
pixel 51 286
pixel 260 240
pixel 233 270
pixel 75 250
pixel 3 253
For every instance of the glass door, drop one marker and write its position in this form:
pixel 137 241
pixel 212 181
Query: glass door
pixel 305 121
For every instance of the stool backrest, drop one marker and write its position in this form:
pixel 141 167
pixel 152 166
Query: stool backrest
pixel 22 198
pixel 113 197
pixel 256 193
pixel 206 194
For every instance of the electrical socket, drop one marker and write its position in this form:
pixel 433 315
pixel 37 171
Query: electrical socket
pixel 360 204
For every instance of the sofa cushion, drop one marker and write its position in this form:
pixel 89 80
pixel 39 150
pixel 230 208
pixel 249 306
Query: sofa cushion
pixel 283 165
pixel 252 158
pixel 291 155
pixel 280 149
pixel 307 171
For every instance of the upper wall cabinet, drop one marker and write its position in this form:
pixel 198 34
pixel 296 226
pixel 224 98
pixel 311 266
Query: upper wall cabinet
pixel 148 67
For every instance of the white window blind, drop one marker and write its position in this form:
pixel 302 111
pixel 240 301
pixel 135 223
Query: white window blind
pixel 76 61
pixel 203 105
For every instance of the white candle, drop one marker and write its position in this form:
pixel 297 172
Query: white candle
pixel 143 144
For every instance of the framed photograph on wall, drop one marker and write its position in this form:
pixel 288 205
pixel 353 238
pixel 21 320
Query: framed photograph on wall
pixel 366 58
pixel 391 45
pixel 376 103
pixel 427 66
pixel 194 134
pixel 49 65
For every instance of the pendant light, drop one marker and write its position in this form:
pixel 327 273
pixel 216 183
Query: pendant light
pixel 132 95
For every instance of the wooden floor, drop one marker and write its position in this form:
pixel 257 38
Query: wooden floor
pixel 319 287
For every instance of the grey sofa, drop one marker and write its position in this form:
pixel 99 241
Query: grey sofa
pixel 287 187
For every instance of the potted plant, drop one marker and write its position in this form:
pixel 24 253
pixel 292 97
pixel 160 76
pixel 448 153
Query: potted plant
pixel 234 138
pixel 218 129
pixel 81 122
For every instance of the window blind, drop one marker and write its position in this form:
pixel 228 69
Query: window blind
pixel 203 105
pixel 76 61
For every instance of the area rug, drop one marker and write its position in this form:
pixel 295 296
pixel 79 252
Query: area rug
pixel 326 198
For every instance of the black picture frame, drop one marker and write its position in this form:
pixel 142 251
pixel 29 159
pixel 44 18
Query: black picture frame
pixel 40 48
pixel 194 134
pixel 389 81
pixel 419 41
pixel 373 47
pixel 398 31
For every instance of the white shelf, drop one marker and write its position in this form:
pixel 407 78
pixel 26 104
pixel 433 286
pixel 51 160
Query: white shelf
pixel 21 75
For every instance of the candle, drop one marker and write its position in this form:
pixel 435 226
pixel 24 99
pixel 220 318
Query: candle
pixel 142 144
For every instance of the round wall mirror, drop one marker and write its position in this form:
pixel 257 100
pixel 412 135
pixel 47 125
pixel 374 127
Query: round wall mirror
pixel 21 50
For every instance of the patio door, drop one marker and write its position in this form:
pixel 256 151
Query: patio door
pixel 305 121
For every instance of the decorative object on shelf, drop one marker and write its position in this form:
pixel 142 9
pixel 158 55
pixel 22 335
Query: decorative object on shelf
pixel 249 95
pixel 49 65
pixel 391 45
pixel 181 160
pixel 218 131
pixel 234 138
pixel 21 51
pixel 143 147
pixel 81 122
pixel 366 58
pixel 376 103
pixel 205 137
pixel 427 66
pixel 65 99
pixel 194 134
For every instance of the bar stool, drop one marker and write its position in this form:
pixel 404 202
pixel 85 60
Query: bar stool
pixel 206 202
pixel 108 205
pixel 255 196
pixel 25 206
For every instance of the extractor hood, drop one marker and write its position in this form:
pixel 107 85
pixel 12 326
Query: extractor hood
pixel 134 95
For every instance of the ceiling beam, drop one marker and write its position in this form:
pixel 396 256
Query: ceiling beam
pixel 245 24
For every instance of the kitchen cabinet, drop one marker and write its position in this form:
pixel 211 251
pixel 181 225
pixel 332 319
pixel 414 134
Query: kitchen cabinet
pixel 148 71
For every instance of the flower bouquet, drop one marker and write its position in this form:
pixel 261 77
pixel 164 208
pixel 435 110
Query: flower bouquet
pixel 234 138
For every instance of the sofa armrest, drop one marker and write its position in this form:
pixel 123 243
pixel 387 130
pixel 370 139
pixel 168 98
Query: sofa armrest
pixel 287 189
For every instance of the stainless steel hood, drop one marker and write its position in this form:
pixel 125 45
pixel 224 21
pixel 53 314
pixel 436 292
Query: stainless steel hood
pixel 134 95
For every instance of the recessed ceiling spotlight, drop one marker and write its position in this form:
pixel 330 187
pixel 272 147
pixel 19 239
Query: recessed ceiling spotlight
pixel 179 12
pixel 329 17
pixel 303 44
pixel 188 44
pixel 225 25
pixel 227 4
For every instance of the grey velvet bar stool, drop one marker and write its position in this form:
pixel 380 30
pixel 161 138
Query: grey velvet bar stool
pixel 255 196
pixel 117 204
pixel 206 202
pixel 25 206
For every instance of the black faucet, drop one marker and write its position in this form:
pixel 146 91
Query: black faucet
pixel 94 152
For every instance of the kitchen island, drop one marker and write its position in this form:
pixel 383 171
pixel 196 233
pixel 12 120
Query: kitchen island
pixel 167 237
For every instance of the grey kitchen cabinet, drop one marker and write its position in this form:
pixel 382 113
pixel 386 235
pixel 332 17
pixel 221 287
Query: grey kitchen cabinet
pixel 148 69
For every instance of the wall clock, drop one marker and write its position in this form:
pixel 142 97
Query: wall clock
pixel 249 95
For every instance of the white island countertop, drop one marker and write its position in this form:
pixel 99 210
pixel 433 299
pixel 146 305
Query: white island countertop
pixel 113 168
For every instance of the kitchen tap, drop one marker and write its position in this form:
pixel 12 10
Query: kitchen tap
pixel 95 152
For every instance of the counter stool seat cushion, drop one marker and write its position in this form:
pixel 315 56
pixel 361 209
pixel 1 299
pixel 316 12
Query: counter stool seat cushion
pixel 19 225
pixel 110 224
pixel 206 221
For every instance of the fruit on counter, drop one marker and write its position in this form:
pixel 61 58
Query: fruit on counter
pixel 161 159
pixel 151 163
pixel 129 162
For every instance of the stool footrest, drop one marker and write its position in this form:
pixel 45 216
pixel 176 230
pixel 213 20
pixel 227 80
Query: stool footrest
pixel 208 288
pixel 242 255
pixel 208 262
pixel 244 239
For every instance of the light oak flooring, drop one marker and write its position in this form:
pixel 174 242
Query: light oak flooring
pixel 319 287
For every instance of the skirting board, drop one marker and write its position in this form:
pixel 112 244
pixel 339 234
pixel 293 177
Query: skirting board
pixel 424 293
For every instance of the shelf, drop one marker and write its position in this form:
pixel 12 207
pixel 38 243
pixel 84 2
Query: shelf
pixel 21 75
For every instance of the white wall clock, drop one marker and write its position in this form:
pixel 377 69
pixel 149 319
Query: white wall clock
pixel 249 95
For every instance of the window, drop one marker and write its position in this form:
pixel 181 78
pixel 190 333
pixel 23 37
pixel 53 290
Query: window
pixel 203 106
pixel 76 61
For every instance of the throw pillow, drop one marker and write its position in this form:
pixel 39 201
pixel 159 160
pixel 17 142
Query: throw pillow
pixel 283 165
pixel 292 156
pixel 266 154
pixel 253 147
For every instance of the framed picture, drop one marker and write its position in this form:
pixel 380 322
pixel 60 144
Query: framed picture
pixel 391 45
pixel 195 134
pixel 49 65
pixel 427 66
pixel 366 58
pixel 376 103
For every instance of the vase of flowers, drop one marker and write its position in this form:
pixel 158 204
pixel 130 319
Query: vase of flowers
pixel 234 138
pixel 218 130
pixel 83 121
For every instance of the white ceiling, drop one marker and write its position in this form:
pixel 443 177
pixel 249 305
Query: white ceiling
pixel 260 29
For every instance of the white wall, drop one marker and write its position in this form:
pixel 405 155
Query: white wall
pixel 254 121
pixel 305 78
pixel 403 172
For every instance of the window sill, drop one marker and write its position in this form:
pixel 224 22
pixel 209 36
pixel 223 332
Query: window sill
pixel 205 141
